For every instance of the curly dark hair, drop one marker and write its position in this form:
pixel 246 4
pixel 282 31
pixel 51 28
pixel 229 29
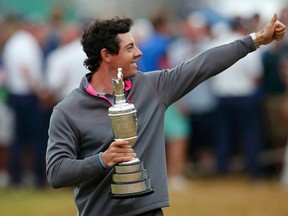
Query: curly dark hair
pixel 103 34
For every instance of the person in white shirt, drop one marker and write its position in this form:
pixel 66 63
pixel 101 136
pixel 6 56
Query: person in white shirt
pixel 64 65
pixel 65 69
pixel 237 89
pixel 22 61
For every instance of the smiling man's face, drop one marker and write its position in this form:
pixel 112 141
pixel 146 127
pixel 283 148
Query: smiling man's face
pixel 127 56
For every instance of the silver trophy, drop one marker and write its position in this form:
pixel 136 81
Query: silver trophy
pixel 130 178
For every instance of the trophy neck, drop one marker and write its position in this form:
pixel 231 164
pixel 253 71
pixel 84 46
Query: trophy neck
pixel 120 99
pixel 118 86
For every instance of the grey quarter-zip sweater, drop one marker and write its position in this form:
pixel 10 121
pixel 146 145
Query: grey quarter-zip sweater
pixel 80 129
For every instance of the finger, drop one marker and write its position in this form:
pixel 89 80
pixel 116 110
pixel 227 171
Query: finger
pixel 279 25
pixel 274 19
pixel 278 38
pixel 279 33
pixel 123 150
pixel 123 154
pixel 111 158
pixel 124 158
pixel 120 142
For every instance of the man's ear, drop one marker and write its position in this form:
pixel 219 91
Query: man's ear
pixel 105 55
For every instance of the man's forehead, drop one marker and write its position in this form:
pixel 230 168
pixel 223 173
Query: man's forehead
pixel 126 38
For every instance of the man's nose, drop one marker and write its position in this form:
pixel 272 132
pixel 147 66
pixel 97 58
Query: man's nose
pixel 138 52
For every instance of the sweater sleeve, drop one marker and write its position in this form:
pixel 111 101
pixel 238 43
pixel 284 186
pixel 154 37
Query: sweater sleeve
pixel 175 83
pixel 63 167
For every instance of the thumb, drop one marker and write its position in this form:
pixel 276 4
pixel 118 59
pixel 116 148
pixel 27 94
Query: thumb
pixel 274 19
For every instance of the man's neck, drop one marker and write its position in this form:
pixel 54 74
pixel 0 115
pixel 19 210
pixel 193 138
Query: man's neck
pixel 102 82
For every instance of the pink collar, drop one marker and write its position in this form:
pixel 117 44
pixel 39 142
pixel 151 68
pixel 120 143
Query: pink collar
pixel 90 90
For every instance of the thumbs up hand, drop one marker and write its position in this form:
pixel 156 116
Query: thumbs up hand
pixel 273 30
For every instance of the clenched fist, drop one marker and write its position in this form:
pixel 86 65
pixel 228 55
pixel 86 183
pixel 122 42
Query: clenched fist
pixel 118 151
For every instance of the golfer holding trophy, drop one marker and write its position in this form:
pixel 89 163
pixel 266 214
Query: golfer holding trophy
pixel 130 178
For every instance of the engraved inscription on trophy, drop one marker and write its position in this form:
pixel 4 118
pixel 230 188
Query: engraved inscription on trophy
pixel 130 178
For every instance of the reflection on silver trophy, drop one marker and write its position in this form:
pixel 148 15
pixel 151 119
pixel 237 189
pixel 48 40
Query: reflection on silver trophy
pixel 130 178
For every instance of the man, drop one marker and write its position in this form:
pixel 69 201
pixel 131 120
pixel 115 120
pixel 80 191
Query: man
pixel 81 149
pixel 65 65
pixel 237 90
pixel 22 62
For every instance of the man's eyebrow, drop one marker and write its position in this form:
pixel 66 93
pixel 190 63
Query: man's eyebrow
pixel 130 44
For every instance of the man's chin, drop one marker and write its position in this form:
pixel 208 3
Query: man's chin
pixel 129 75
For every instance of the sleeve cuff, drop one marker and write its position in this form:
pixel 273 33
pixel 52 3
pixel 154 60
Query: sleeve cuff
pixel 101 161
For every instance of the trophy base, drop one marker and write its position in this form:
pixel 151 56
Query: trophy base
pixel 130 180
pixel 132 195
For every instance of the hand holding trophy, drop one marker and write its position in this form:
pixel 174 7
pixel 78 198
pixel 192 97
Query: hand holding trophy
pixel 130 178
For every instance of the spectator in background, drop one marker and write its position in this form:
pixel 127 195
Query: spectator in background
pixel 6 132
pixel 275 126
pixel 284 71
pixel 237 90
pixel 58 34
pixel 141 29
pixel 65 67
pixel 54 30
pixel 22 61
pixel 200 104
pixel 154 47
pixel 177 129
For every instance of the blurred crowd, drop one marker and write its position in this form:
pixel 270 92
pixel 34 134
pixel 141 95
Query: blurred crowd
pixel 235 121
pixel 40 64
